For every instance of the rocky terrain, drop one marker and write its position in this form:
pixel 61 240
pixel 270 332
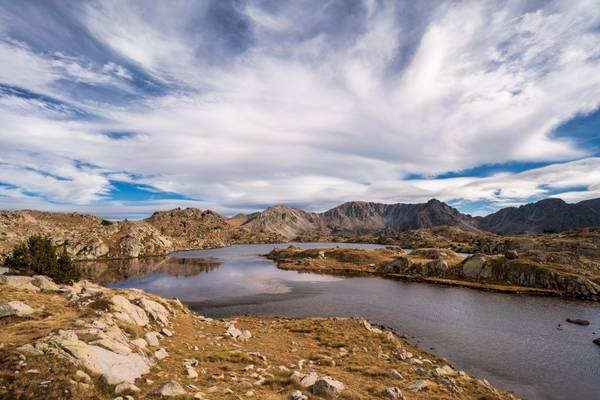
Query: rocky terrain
pixel 560 273
pixel 357 218
pixel 85 341
pixel 91 237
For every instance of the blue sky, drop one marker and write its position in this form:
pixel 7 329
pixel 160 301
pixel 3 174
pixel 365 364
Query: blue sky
pixel 121 108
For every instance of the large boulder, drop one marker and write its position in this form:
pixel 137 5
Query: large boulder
pixel 473 266
pixel 19 282
pixel 44 283
pixel 126 311
pixel 17 308
pixel 156 310
pixel 115 368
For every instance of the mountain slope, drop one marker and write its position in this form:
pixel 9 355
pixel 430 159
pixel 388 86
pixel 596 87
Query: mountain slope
pixel 548 215
pixel 357 218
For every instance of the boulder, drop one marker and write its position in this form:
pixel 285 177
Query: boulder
pixel 17 308
pixel 305 380
pixel 161 354
pixel 126 388
pixel 152 338
pixel 156 310
pixel 115 368
pixel 417 386
pixel 44 283
pixel 327 385
pixel 19 282
pixel 473 266
pixel 393 393
pixel 126 311
pixel 298 395
pixel 170 389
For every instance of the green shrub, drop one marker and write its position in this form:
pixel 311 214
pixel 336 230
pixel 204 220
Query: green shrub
pixel 38 256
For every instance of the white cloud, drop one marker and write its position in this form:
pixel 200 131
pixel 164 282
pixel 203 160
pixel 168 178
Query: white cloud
pixel 309 119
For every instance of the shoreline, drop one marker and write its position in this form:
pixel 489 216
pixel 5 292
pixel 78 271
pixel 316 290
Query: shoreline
pixel 88 340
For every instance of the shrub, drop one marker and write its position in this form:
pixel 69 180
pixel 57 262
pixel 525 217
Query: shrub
pixel 39 256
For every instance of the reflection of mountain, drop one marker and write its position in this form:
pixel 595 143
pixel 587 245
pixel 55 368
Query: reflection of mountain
pixel 105 272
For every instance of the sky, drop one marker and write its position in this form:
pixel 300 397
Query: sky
pixel 121 108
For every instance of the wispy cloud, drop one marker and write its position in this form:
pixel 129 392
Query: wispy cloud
pixel 266 103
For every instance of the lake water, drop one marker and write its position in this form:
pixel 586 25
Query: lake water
pixel 511 340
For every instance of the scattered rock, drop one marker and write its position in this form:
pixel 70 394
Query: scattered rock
pixel 44 283
pixel 393 393
pixel 17 308
pixel 82 376
pixel 170 389
pixel 128 312
pixel 578 321
pixel 126 388
pixel 115 368
pixel 419 385
pixel 305 380
pixel 156 310
pixel 597 341
pixel 395 374
pixel 328 385
pixel 152 338
pixel 446 370
pixel 191 372
pixel 167 332
pixel 19 282
pixel 298 395
pixel 161 354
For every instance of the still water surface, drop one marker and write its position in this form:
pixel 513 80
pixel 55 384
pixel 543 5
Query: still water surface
pixel 511 340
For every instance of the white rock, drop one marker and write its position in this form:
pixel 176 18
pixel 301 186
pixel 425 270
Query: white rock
pixel 17 308
pixel 170 389
pixel 82 376
pixel 44 283
pixel 152 338
pixel 19 282
pixel 123 307
pixel 191 372
pixel 395 374
pixel 115 368
pixel 156 310
pixel 140 343
pixel 167 332
pixel 446 370
pixel 126 388
pixel 161 353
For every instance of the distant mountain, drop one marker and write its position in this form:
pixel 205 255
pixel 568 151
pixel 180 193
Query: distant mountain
pixel 549 215
pixel 362 217
pixel 358 218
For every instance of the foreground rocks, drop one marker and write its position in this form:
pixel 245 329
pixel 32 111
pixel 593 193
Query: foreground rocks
pixel 86 341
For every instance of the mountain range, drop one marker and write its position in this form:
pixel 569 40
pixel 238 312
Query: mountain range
pixel 363 218
pixel 91 237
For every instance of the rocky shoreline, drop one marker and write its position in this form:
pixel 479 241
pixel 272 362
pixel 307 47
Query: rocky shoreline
pixel 87 341
pixel 510 273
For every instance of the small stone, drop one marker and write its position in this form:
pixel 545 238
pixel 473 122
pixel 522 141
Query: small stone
pixel 191 372
pixel 393 393
pixel 298 395
pixel 152 338
pixel 170 389
pixel 395 374
pixel 199 396
pixel 141 343
pixel 126 388
pixel 161 353
pixel 82 376
pixel 167 332
pixel 446 370
pixel 419 385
